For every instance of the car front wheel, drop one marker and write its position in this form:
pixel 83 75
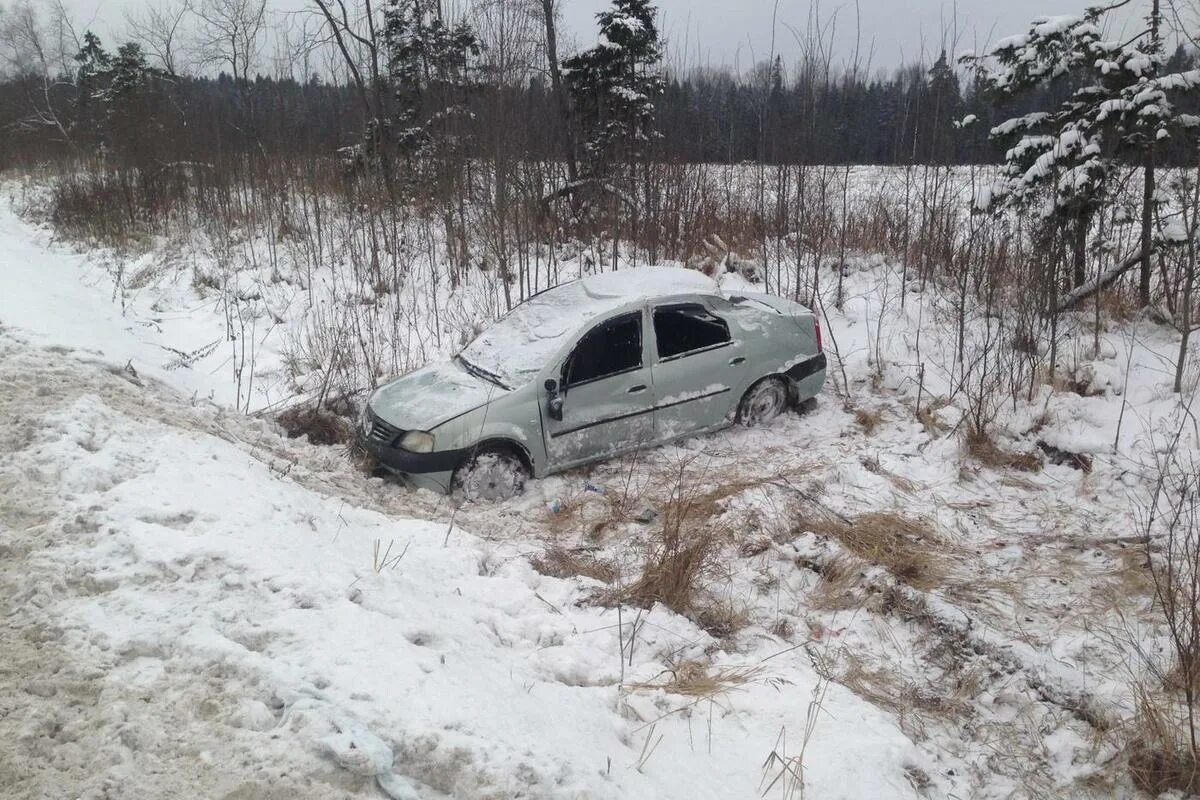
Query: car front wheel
pixel 763 402
pixel 491 475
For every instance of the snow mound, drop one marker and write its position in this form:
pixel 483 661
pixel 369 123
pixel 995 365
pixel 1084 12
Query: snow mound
pixel 219 588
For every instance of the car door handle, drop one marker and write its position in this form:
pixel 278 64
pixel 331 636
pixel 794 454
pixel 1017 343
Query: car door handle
pixel 641 387
pixel 733 362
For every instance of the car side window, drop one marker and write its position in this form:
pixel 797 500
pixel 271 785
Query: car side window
pixel 610 348
pixel 680 329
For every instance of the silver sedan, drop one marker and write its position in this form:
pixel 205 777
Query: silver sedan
pixel 592 369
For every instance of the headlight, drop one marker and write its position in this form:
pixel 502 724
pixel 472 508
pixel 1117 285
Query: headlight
pixel 364 421
pixel 417 442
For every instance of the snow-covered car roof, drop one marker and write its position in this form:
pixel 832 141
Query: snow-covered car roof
pixel 631 284
pixel 518 345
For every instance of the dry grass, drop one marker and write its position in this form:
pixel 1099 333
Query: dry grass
pixel 1176 679
pixel 1118 306
pixel 697 679
pixel 868 419
pixel 1132 578
pixel 681 562
pixel 783 628
pixel 722 619
pixel 928 417
pixel 1160 756
pixel 676 569
pixel 984 450
pixel 836 589
pixel 562 562
pixel 907 547
pixel 755 546
pixel 321 426
pixel 572 511
pixel 871 464
pixel 912 705
pixel 689 500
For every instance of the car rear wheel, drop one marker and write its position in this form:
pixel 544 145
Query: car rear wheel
pixel 491 475
pixel 763 402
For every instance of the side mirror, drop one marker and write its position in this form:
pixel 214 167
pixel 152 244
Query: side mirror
pixel 555 404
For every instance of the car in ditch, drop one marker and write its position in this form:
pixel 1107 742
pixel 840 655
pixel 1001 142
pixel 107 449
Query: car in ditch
pixel 592 369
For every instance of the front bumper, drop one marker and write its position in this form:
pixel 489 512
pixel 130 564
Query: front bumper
pixel 432 470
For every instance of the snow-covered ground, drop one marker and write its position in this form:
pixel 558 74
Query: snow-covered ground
pixel 196 605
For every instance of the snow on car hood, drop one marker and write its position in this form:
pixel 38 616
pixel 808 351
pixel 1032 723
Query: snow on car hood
pixel 431 395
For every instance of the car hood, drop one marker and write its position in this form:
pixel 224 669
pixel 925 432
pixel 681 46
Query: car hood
pixel 432 395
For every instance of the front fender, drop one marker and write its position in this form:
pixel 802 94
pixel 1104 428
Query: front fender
pixel 517 423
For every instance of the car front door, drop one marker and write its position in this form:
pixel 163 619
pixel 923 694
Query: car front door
pixel 698 365
pixel 606 393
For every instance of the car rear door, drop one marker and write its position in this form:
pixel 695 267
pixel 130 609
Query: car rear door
pixel 607 395
pixel 698 364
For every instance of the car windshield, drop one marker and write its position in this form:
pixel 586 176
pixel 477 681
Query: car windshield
pixel 517 346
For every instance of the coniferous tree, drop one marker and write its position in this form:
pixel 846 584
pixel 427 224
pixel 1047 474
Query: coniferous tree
pixel 945 107
pixel 110 111
pixel 614 86
pixel 429 64
pixel 1061 163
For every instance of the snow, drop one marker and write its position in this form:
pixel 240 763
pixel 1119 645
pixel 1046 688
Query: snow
pixel 431 395
pixel 647 282
pixel 627 94
pixel 711 388
pixel 455 667
pixel 447 668
pixel 521 343
pixel 1011 42
pixel 627 21
pixel 36 279
pixel 1056 24
pixel 243 613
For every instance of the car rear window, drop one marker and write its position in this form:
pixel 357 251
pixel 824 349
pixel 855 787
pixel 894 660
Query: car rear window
pixel 681 329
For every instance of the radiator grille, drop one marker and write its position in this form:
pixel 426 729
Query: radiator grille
pixel 382 432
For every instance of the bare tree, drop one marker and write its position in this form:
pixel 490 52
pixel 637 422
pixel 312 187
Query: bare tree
pixel 1170 525
pixel 32 46
pixel 160 28
pixel 508 33
pixel 1185 262
pixel 229 34
pixel 355 32
pixel 549 13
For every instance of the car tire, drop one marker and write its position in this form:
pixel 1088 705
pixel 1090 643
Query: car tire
pixel 763 402
pixel 491 475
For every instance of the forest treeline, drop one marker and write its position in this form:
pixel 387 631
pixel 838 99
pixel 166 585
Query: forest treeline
pixel 779 112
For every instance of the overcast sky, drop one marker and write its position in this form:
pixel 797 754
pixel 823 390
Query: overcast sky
pixel 739 32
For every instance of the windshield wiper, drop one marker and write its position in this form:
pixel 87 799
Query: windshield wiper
pixel 480 372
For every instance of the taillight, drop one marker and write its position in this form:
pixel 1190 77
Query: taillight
pixel 817 328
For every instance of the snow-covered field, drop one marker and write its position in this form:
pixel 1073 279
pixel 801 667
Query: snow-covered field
pixel 195 605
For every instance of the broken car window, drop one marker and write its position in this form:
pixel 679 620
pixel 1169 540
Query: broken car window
pixel 683 328
pixel 611 347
